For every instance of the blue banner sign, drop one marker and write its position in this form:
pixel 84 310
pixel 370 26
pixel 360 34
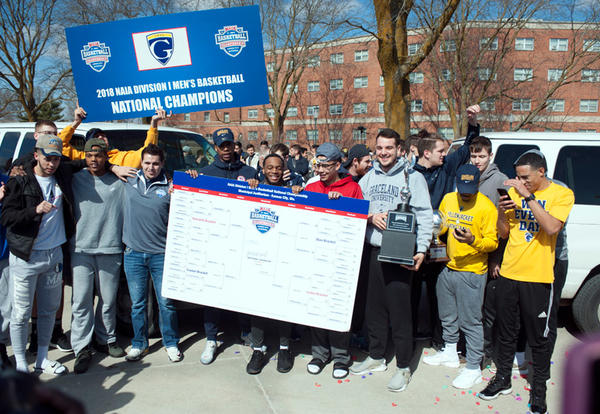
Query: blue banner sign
pixel 185 62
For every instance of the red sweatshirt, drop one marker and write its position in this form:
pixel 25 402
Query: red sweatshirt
pixel 346 187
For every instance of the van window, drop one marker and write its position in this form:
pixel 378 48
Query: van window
pixel 576 167
pixel 7 148
pixel 507 154
pixel 27 145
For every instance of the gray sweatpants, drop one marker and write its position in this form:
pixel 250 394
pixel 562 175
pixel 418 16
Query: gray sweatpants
pixel 5 302
pixel 40 276
pixel 460 298
pixel 103 271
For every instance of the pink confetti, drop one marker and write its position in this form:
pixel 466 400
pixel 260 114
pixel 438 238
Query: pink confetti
pixel 518 398
pixel 477 403
pixel 426 353
pixel 527 387
pixel 340 381
pixel 462 392
pixel 485 379
pixel 552 383
pixel 346 380
pixel 437 399
pixel 394 405
pixel 317 384
pixel 490 406
pixel 514 377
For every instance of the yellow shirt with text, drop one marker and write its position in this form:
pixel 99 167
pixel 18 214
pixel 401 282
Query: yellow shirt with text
pixel 479 215
pixel 529 254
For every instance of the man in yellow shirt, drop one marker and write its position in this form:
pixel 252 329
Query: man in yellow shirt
pixel 531 216
pixel 132 158
pixel 471 225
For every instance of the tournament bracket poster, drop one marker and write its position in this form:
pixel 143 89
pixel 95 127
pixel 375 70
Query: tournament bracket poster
pixel 265 252
pixel 185 62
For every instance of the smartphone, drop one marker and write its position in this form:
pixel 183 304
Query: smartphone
pixel 502 192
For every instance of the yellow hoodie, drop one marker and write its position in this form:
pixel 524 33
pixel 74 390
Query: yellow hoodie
pixel 131 158
pixel 478 215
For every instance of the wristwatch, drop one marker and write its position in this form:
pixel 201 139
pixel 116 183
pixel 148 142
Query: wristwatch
pixel 529 198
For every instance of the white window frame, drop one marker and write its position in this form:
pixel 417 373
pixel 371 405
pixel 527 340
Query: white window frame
pixel 359 108
pixel 521 104
pixel 336 84
pixel 493 45
pixel 416 105
pixel 381 107
pixel 413 48
pixel 335 134
pixel 590 75
pixel 291 135
pixel 524 43
pixel 336 109
pixel 442 106
pixel 446 133
pixel 292 111
pixel 361 82
pixel 252 113
pixel 206 116
pixel 488 104
pixel 336 58
pixel 556 44
pixel 312 110
pixel 313 86
pixel 416 77
pixel 312 135
pixel 314 61
pixel 448 45
pixel 485 73
pixel 554 74
pixel 270 66
pixel 252 135
pixel 588 105
pixel 361 55
pixel 226 117
pixel 446 75
pixel 555 105
pixel 591 45
pixel 523 74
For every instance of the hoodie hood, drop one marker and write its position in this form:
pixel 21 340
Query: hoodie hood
pixel 399 166
pixel 488 172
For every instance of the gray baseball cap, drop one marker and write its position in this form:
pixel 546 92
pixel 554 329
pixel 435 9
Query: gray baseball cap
pixel 329 151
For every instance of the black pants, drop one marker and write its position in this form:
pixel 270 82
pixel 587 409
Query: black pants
pixel 389 306
pixel 560 276
pixel 429 273
pixel 530 304
pixel 257 331
pixel 360 300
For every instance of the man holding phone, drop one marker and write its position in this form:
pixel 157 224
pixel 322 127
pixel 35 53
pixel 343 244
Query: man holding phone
pixel 531 217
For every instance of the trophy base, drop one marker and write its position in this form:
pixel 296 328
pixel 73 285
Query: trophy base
pixel 437 254
pixel 396 260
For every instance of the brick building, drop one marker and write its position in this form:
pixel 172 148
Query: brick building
pixel 340 95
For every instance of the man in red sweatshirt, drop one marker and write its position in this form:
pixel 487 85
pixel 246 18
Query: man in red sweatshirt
pixel 326 344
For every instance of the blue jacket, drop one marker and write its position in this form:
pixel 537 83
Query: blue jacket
pixel 441 179
pixel 232 170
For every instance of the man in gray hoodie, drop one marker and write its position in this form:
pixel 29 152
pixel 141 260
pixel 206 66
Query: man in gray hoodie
pixel 389 291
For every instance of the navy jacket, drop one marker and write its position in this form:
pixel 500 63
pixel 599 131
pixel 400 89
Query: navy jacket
pixel 232 170
pixel 299 166
pixel 441 179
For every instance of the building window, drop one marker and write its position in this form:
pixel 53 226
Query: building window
pixel 586 130
pixel 488 104
pixel 314 61
pixel 206 116
pixel 559 45
pixel 291 134
pixel 335 109
pixel 523 104
pixel 554 74
pixel 360 108
pixel 226 117
pixel 487 44
pixel 591 45
pixel 485 74
pixel 312 135
pixel 270 112
pixel 361 55
pixel 270 66
pixel 288 88
pixel 252 135
pixel 487 129
pixel 381 81
pixel 270 88
pixel 448 45
pixel 447 133
pixel 523 74
pixel 292 111
pixel 312 110
pixel 359 134
pixel 313 86
pixel 291 64
pixel 381 107
pixel 416 77
pixel 252 113
pixel 187 117
pixel 524 43
pixel 442 106
pixel 588 105
pixel 335 134
pixel 590 75
pixel 336 84
pixel 416 105
pixel 555 105
pixel 446 75
pixel 413 48
pixel 361 82
pixel 336 58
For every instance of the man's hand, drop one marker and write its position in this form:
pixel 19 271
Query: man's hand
pixel 2 191
pixel 17 170
pixel 334 195
pixel 78 116
pixel 252 183
pixel 160 115
pixel 192 173
pixel 518 186
pixel 378 220
pixel 472 112
pixel 418 258
pixel 123 172
pixel 493 270
pixel 286 175
pixel 297 189
pixel 464 235
pixel 44 207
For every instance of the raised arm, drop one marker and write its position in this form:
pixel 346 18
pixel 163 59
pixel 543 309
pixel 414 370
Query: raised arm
pixel 67 133
pixel 462 155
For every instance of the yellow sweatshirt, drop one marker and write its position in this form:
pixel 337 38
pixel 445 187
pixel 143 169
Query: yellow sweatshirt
pixel 478 215
pixel 131 158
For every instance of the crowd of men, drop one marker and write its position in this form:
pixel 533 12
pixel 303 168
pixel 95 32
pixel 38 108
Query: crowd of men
pixel 87 213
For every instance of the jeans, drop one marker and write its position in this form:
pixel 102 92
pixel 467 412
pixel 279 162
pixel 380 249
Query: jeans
pixel 137 267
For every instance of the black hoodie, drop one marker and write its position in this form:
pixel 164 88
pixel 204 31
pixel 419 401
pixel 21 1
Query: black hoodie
pixel 231 170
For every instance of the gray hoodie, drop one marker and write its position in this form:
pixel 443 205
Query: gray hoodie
pixel 492 179
pixel 382 189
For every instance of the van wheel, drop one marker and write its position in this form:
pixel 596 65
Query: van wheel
pixel 586 306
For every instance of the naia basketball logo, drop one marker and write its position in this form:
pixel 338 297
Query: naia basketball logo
pixel 264 219
pixel 231 40
pixel 95 55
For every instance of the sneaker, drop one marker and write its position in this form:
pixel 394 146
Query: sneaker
pixel 208 355
pixel 83 360
pixel 256 363
pixel 447 358
pixel 467 378
pixel 285 360
pixel 368 365
pixel 537 404
pixel 53 368
pixel 135 354
pixel 400 380
pixel 61 341
pixel 174 354
pixel 115 351
pixel 498 385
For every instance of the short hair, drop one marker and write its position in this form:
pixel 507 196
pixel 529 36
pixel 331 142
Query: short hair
pixel 303 150
pixel 297 147
pixel 44 122
pixel 238 144
pixel 199 152
pixel 389 133
pixel 479 143
pixel 427 141
pixel 534 160
pixel 282 148
pixel 314 146
pixel 249 146
pixel 152 149
pixel 264 142
pixel 410 141
pixel 273 155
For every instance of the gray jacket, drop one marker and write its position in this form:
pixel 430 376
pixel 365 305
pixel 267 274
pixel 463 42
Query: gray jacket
pixel 382 189
pixel 492 179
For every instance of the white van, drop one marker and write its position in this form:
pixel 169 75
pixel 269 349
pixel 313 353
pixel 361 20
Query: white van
pixel 572 159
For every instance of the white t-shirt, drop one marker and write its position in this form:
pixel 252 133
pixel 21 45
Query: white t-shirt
pixel 52 228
